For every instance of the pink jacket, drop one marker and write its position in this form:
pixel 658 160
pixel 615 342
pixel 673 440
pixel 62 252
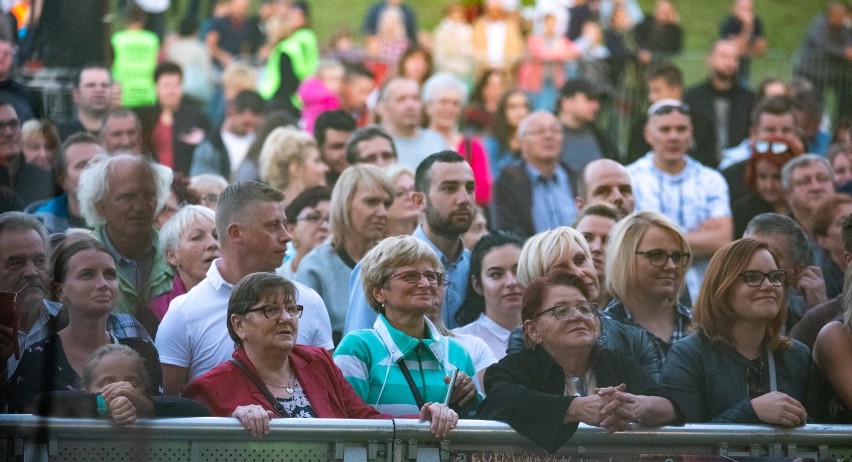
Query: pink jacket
pixel 316 99
pixel 478 160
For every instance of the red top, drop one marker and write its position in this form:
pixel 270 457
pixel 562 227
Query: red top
pixel 225 387
pixel 161 137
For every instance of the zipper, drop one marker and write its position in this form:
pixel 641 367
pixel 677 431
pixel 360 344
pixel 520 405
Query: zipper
pixel 420 367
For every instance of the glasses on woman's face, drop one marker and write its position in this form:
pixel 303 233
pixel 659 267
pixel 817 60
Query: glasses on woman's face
pixel 413 277
pixel 755 278
pixel 560 310
pixel 659 257
pixel 313 218
pixel 274 311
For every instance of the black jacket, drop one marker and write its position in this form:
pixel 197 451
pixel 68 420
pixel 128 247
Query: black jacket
pixel 630 341
pixel 700 100
pixel 527 391
pixel 188 117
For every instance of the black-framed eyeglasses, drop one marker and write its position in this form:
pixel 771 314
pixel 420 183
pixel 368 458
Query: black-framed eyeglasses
pixel 755 278
pixel 659 257
pixel 560 310
pixel 775 147
pixel 314 218
pixel 274 311
pixel 664 109
pixel 413 277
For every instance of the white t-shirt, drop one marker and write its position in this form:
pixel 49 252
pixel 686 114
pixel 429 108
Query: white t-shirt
pixel 194 333
pixel 237 147
pixel 494 335
pixel 479 353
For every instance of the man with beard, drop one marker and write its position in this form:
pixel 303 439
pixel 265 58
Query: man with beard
pixel 605 181
pixel 400 110
pixel 721 100
pixel 24 270
pixel 537 194
pixel 91 97
pixel 444 185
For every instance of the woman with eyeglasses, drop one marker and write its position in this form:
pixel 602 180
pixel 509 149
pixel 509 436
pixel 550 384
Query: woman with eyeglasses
pixel 359 206
pixel 763 180
pixel 563 377
pixel 270 376
pixel 738 367
pixel 308 223
pixel 404 365
pixel 646 261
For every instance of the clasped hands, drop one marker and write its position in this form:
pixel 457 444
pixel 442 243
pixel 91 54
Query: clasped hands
pixel 610 408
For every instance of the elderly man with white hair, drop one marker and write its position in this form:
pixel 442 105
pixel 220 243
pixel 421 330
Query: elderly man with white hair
pixel 537 194
pixel 119 197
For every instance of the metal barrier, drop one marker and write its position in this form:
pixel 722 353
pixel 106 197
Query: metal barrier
pixel 28 438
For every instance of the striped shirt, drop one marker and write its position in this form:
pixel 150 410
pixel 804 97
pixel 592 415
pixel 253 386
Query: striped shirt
pixel 368 359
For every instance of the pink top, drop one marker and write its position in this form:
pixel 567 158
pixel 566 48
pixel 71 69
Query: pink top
pixel 478 160
pixel 316 99
pixel 160 304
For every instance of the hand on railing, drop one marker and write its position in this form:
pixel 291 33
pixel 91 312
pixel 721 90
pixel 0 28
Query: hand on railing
pixel 443 418
pixel 254 418
pixel 777 408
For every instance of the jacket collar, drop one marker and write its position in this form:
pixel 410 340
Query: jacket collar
pixel 400 344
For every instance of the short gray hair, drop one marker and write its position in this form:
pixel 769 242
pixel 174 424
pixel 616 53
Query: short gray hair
pixel 94 184
pixel 802 161
pixel 441 81
pixel 775 223
pixel 180 222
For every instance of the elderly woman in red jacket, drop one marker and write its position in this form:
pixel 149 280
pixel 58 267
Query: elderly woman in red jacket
pixel 270 376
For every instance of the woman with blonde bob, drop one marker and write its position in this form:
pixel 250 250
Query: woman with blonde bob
pixel 403 281
pixel 566 249
pixel 359 220
pixel 646 261
pixel 737 367
pixel 290 161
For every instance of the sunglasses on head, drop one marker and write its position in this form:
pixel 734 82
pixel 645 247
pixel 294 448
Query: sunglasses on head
pixel 774 147
pixel 669 108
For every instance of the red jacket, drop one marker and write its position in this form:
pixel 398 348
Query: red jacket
pixel 225 387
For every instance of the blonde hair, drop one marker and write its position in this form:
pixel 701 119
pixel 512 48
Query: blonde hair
pixel 543 250
pixel 353 179
pixel 283 147
pixel 239 76
pixel 624 240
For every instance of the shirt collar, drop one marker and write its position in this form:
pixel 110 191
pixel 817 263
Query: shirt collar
pixel 117 255
pixel 463 254
pixel 215 277
pixel 499 331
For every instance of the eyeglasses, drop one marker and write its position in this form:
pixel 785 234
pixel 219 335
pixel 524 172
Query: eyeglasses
pixel 413 277
pixel 755 278
pixel 775 147
pixel 659 257
pixel 313 218
pixel 12 123
pixel 560 310
pixel 664 109
pixel 274 311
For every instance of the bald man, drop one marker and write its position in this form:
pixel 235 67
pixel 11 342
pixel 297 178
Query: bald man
pixel 605 181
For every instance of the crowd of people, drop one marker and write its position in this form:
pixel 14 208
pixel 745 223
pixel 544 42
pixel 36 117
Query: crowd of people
pixel 236 223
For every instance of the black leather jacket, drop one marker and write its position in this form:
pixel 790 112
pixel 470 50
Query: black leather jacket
pixel 626 339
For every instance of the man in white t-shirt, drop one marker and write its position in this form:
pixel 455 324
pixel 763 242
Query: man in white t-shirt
pixel 223 150
pixel 193 336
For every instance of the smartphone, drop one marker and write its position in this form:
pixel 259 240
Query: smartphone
pixel 451 385
pixel 8 317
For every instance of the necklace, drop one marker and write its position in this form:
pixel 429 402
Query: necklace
pixel 289 386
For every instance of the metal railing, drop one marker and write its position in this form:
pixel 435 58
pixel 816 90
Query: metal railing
pixel 29 438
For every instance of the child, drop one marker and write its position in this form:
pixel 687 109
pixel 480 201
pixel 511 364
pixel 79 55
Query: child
pixel 321 93
pixel 114 381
